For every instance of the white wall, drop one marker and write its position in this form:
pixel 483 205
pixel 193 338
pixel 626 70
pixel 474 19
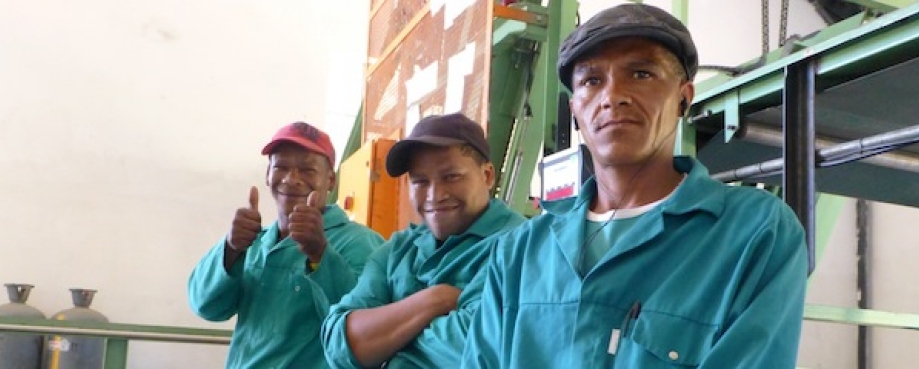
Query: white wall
pixel 130 131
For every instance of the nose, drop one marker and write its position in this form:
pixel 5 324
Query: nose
pixel 292 178
pixel 616 93
pixel 436 192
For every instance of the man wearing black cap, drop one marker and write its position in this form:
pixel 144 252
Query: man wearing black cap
pixel 654 264
pixel 412 304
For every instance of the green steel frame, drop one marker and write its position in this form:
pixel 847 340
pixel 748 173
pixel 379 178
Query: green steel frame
pixel 843 52
pixel 523 106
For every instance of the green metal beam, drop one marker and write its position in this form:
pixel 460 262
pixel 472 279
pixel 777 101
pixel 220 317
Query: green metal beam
pixel 686 132
pixel 116 330
pixel 845 49
pixel 116 354
pixel 827 212
pixel 355 140
pixel 533 127
pixel 883 5
pixel 865 317
pixel 680 10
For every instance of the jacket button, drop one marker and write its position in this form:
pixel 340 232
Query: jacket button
pixel 674 355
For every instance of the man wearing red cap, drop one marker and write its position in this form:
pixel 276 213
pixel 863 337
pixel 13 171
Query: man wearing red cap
pixel 280 281
pixel 654 264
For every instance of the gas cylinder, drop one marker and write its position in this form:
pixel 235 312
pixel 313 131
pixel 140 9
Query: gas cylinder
pixel 19 350
pixel 76 352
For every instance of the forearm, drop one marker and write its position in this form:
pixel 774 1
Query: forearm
pixel 213 291
pixel 443 340
pixel 376 334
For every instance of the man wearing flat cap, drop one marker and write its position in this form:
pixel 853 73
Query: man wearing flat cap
pixel 654 264
pixel 412 305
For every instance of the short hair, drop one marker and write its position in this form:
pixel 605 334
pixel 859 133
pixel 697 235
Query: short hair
pixel 472 152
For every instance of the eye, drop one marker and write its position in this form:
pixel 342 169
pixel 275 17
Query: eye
pixel 589 81
pixel 642 74
pixel 418 181
pixel 450 177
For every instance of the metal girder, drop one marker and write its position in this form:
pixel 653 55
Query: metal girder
pixel 866 317
pixel 883 5
pixel 843 46
pixel 116 353
pixel 799 153
pixel 528 117
pixel 354 143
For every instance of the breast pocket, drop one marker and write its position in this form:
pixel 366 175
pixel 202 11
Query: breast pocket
pixel 658 340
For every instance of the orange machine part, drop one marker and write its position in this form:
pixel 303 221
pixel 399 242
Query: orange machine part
pixel 366 193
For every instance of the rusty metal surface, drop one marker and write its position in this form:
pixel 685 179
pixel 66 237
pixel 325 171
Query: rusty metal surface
pixel 434 47
pixel 391 17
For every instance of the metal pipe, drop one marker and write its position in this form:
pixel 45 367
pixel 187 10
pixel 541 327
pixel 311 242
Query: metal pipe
pixel 830 148
pixel 895 161
pixel 883 139
pixel 108 333
pixel 862 220
pixel 798 151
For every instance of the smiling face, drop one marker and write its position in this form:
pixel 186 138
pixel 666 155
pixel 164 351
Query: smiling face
pixel 626 98
pixel 294 172
pixel 449 187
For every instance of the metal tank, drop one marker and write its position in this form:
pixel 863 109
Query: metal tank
pixel 19 350
pixel 76 352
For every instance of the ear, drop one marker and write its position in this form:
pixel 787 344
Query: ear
pixel 332 179
pixel 267 172
pixel 574 121
pixel 688 91
pixel 489 171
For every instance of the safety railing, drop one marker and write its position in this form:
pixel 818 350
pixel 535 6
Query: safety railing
pixel 117 335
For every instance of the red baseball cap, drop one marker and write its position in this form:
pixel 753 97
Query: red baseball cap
pixel 305 135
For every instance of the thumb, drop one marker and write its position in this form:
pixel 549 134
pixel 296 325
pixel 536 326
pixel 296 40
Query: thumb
pixel 312 200
pixel 253 198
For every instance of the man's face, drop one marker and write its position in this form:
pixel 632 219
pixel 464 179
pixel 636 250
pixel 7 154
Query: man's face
pixel 448 188
pixel 294 172
pixel 626 98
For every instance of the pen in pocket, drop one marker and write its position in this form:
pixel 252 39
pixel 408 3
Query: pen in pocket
pixel 624 328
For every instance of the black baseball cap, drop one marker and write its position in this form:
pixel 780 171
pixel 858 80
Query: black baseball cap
pixel 628 20
pixel 436 130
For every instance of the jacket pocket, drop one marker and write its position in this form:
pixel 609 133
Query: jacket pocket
pixel 659 340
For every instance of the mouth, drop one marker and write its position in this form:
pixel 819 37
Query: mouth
pixel 291 195
pixel 615 123
pixel 441 209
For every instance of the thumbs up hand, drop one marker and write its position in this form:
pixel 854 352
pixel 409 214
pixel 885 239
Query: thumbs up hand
pixel 247 223
pixel 306 227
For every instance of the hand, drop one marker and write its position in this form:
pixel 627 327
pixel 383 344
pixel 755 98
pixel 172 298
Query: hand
pixel 306 228
pixel 443 298
pixel 247 223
